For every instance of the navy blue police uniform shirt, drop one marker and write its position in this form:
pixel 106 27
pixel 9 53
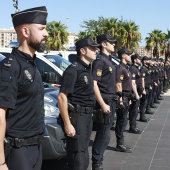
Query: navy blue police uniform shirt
pixel 22 92
pixel 155 74
pixel 136 75
pixel 123 75
pixel 146 74
pixel 77 82
pixel 104 72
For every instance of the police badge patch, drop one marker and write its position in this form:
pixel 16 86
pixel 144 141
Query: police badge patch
pixel 121 77
pixel 133 75
pixel 99 73
pixel 86 79
pixel 28 75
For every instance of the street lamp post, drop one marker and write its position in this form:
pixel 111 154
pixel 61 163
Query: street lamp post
pixel 16 5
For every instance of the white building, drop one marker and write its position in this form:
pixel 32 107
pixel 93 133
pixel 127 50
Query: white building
pixel 71 40
pixel 7 36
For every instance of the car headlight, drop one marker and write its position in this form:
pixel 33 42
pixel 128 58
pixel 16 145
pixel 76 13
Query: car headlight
pixel 51 111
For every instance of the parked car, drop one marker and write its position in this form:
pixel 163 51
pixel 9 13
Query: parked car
pixel 53 142
pixel 50 66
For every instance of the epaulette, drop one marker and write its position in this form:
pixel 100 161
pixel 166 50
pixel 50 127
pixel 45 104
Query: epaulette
pixel 8 61
pixel 98 57
pixel 74 64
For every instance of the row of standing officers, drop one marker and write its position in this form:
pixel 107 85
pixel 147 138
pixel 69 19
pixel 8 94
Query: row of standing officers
pixel 94 93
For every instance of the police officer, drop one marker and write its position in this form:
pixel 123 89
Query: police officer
pixel 22 93
pixel 123 88
pixel 146 98
pixel 77 89
pixel 137 90
pixel 154 84
pixel 161 77
pixel 155 81
pixel 105 90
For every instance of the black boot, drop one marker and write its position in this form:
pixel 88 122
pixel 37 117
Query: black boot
pixel 121 147
pixel 153 106
pixel 160 98
pixel 134 130
pixel 149 111
pixel 143 118
pixel 156 101
pixel 97 166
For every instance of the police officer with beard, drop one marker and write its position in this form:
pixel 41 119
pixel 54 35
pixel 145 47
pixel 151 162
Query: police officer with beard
pixel 104 76
pixel 22 94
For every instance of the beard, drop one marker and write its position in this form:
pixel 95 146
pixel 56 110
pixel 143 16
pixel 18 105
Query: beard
pixel 38 46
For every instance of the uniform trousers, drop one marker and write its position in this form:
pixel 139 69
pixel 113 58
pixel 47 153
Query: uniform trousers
pixel 77 146
pixel 102 137
pixel 143 102
pixel 25 158
pixel 121 122
pixel 133 113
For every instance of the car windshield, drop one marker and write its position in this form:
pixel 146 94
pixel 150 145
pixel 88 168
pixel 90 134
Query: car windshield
pixel 1 57
pixel 58 61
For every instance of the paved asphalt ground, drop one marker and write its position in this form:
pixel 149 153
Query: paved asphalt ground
pixel 151 148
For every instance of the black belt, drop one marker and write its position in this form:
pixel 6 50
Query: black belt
pixel 81 109
pixel 17 142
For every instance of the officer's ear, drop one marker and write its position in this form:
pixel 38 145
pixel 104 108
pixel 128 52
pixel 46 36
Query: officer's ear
pixel 83 51
pixel 104 44
pixel 25 31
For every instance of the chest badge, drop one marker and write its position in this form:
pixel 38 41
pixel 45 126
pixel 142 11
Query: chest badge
pixel 86 79
pixel 110 69
pixel 28 75
pixel 99 73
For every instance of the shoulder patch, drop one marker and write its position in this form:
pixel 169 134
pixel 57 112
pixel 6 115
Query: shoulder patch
pixel 121 77
pixel 133 75
pixel 99 72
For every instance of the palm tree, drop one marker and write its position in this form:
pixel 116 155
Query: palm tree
pixel 153 42
pixel 130 35
pixel 58 35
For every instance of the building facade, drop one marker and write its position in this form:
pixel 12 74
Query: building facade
pixel 7 36
pixel 143 52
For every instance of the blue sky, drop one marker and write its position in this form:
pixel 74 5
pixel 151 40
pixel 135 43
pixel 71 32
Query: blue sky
pixel 147 14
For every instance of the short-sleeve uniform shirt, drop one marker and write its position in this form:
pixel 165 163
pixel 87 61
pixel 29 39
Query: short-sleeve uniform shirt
pixel 136 75
pixel 22 92
pixel 104 72
pixel 77 82
pixel 123 76
pixel 146 74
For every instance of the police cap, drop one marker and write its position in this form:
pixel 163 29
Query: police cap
pixel 145 58
pixel 135 56
pixel 36 15
pixel 123 51
pixel 105 37
pixel 86 42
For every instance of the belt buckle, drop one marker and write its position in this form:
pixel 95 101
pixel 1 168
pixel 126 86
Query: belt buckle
pixel 18 142
pixel 87 109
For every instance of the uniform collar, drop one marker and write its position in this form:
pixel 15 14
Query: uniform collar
pixel 122 64
pixel 106 56
pixel 23 55
pixel 84 64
